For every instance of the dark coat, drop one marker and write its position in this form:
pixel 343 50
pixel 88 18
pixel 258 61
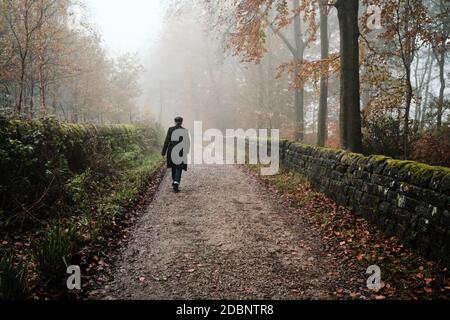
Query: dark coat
pixel 169 145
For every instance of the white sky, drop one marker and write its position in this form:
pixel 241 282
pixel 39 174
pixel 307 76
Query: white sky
pixel 126 25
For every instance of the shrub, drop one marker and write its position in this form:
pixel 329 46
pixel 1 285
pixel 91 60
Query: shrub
pixel 32 166
pixel 383 133
pixel 13 279
pixel 41 160
pixel 433 148
pixel 81 176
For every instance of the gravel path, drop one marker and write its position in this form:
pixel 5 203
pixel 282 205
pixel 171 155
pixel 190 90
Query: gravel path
pixel 223 237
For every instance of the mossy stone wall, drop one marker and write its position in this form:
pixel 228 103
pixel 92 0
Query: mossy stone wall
pixel 404 198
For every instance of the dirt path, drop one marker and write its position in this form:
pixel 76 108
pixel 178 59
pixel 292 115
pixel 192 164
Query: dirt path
pixel 223 237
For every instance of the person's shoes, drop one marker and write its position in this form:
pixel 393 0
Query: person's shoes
pixel 176 187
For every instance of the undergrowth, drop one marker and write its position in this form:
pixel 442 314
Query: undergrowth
pixel 65 186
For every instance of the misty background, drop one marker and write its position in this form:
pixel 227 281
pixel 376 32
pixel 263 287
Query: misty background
pixel 187 70
pixel 114 61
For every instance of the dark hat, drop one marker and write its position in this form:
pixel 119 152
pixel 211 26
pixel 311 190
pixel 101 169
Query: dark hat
pixel 178 120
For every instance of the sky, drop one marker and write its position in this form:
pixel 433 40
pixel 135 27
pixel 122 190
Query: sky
pixel 126 25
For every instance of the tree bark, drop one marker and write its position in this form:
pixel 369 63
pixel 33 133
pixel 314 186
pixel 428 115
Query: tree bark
pixel 42 91
pixel 350 115
pixel 440 57
pixel 31 100
pixel 420 84
pixel 407 54
pixel 322 134
pixel 427 94
pixel 440 105
pixel 409 94
pixel 261 87
pixel 21 87
pixel 300 92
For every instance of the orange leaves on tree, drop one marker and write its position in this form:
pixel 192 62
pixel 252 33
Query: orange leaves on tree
pixel 302 71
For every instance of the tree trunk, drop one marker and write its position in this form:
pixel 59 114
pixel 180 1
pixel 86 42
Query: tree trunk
pixel 350 116
pixel 261 87
pixel 440 104
pixel 21 87
pixel 409 94
pixel 417 85
pixel 314 121
pixel 420 84
pixel 300 92
pixel 427 94
pixel 271 93
pixel 31 110
pixel 407 57
pixel 42 92
pixel 323 103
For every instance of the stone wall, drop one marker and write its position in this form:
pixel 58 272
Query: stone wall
pixel 404 198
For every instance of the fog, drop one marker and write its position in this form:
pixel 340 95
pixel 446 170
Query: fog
pixel 219 62
pixel 190 71
pixel 126 26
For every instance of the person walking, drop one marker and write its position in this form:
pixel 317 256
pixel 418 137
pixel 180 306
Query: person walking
pixel 176 147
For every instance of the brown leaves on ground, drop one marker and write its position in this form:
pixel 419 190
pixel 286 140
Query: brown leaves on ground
pixel 359 244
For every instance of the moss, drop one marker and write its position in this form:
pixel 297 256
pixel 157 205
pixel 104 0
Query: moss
pixel 317 150
pixel 420 170
pixel 356 155
pixel 379 158
pixel 333 151
pixel 398 164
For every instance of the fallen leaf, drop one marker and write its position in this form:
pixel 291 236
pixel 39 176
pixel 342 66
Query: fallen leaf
pixel 428 290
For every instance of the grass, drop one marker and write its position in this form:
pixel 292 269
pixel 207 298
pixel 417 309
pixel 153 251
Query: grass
pixel 13 278
pixel 53 252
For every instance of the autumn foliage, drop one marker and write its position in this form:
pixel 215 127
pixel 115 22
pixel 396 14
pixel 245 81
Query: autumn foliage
pixel 433 148
pixel 52 63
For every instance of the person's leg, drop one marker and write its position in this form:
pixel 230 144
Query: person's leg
pixel 178 175
pixel 175 179
pixel 174 174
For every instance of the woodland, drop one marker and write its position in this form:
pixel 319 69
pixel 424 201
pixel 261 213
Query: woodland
pixel 81 128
